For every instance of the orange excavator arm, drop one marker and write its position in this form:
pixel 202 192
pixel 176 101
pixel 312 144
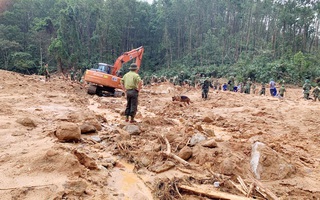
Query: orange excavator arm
pixel 126 57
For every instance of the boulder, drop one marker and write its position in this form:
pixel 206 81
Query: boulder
pixel 185 153
pixel 267 164
pixel 196 138
pixel 162 167
pixel 75 187
pixel 87 128
pixel 207 119
pixel 209 143
pixel 67 131
pixel 132 129
pixel 26 122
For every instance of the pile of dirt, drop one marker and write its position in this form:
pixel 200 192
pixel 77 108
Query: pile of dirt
pixel 231 145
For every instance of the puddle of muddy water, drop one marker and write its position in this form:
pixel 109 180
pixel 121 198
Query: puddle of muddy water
pixel 127 185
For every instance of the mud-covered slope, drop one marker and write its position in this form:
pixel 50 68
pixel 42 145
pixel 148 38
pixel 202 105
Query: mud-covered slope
pixel 257 140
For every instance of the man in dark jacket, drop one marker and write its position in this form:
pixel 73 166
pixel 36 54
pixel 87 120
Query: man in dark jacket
pixel 205 88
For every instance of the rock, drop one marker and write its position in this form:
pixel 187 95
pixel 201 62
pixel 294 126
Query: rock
pixel 199 127
pixel 95 123
pixel 77 187
pixel 209 143
pixel 67 131
pixel 171 136
pixel 228 167
pixel 209 132
pixel 145 161
pixel 267 164
pixel 132 129
pixel 185 153
pixel 196 139
pixel 162 167
pixel 26 122
pixel 117 110
pixel 207 119
pixel 85 160
pixel 96 138
pixel 87 128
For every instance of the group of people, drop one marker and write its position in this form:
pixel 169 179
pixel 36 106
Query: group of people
pixel 132 83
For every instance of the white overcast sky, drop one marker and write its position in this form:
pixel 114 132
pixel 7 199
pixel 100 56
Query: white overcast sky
pixel 149 1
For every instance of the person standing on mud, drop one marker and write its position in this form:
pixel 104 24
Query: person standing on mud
pixel 263 89
pixel 273 89
pixel 316 93
pixel 248 86
pixel 46 72
pixel 131 83
pixel 205 88
pixel 282 90
pixel 306 89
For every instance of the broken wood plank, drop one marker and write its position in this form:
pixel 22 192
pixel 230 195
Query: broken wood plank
pixel 267 191
pixel 238 187
pixel 243 184
pixel 211 193
pixel 250 190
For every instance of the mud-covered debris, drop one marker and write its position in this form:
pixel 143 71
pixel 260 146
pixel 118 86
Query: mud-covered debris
pixel 67 131
pixel 209 143
pixel 195 139
pixel 26 122
pixel 87 128
pixel 185 153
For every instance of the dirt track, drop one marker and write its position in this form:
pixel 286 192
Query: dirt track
pixel 35 165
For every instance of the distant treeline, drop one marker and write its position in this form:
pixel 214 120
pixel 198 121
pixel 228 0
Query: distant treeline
pixel 242 38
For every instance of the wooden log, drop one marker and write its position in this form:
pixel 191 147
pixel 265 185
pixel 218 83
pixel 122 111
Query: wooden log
pixel 171 155
pixel 211 193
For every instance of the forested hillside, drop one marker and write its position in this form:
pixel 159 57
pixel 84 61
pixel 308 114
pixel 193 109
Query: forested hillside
pixel 260 39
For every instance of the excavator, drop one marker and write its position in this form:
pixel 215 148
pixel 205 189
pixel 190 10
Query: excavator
pixel 107 77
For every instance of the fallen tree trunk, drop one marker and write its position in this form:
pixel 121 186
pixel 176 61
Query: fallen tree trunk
pixel 212 193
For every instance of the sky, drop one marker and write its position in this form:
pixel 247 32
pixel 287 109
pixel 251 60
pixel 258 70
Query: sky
pixel 149 1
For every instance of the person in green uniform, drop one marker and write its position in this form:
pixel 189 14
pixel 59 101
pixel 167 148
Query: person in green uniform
pixel 131 83
pixel 248 86
pixel 306 89
pixel 282 90
pixel 316 93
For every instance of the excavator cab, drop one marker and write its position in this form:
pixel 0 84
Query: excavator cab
pixel 104 68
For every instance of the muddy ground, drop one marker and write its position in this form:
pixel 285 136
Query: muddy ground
pixel 231 144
